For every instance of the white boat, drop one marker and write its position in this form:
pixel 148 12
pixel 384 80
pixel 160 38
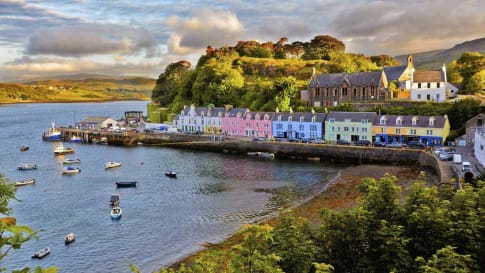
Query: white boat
pixel 103 140
pixel 76 139
pixel 266 155
pixel 112 164
pixel 27 166
pixel 52 134
pixel 70 170
pixel 69 238
pixel 25 182
pixel 41 253
pixel 71 161
pixel 116 213
pixel 63 150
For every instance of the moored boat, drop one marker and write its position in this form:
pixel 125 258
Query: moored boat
pixel 71 161
pixel 52 134
pixel 103 140
pixel 171 174
pixel 69 238
pixel 114 200
pixel 63 150
pixel 27 166
pixel 70 170
pixel 24 148
pixel 41 253
pixel 126 184
pixel 116 213
pixel 266 155
pixel 112 164
pixel 25 182
pixel 76 139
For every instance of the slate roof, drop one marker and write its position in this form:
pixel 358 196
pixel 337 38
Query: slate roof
pixel 428 76
pixel 95 119
pixel 307 116
pixel 252 115
pixel 234 111
pixel 353 116
pixel 394 72
pixel 353 79
pixel 407 121
pixel 199 110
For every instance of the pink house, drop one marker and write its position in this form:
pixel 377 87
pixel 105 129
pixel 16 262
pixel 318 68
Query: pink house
pixel 233 123
pixel 258 124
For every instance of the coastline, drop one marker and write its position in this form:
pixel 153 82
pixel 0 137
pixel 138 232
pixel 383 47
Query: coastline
pixel 339 193
pixel 76 101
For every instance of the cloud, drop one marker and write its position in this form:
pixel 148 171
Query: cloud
pixel 205 27
pixel 92 39
pixel 386 27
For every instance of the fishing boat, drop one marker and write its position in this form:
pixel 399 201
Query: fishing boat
pixel 41 253
pixel 76 139
pixel 71 161
pixel 112 164
pixel 52 134
pixel 27 166
pixel 103 140
pixel 116 213
pixel 69 238
pixel 63 150
pixel 70 170
pixel 171 174
pixel 114 200
pixel 24 148
pixel 126 184
pixel 266 155
pixel 25 182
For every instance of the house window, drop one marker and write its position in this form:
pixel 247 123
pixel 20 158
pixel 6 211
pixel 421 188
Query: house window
pixel 398 131
pixel 346 129
pixel 429 132
pixel 279 126
pixel 333 128
pixel 335 91
pixel 355 92
pixel 313 127
pixel 479 122
pixel 383 130
pixel 398 121
pixel 313 119
pixel 364 121
pixel 431 121
pixel 290 119
pixel 364 130
pixel 317 92
pixel 413 131
pixel 363 137
pixel 419 96
pixel 419 85
pixel 414 121
pixel 266 125
pixel 332 120
pixel 248 125
pixel 438 85
pixel 301 127
pixel 302 119
pixel 382 121
pixel 429 85
pixel 344 91
pixel 279 118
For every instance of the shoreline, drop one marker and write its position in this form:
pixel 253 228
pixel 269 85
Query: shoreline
pixel 339 193
pixel 75 101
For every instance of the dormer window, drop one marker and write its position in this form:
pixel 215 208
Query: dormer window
pixel 415 120
pixel 431 121
pixel 382 121
pixel 279 118
pixel 290 118
pixel 302 119
pixel 314 119
pixel 398 121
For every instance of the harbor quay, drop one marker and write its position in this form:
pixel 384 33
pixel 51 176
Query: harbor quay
pixel 339 154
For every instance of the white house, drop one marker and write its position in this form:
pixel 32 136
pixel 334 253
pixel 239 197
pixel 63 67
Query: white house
pixel 200 119
pixel 479 147
pixel 97 122
pixel 429 85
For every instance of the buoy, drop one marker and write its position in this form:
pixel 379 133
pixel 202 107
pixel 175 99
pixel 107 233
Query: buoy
pixel 142 163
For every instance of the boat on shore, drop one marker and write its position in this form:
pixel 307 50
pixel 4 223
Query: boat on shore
pixel 69 238
pixel 52 134
pixel 24 148
pixel 71 161
pixel 126 184
pixel 63 150
pixel 265 155
pixel 25 182
pixel 171 174
pixel 27 166
pixel 114 200
pixel 116 213
pixel 41 253
pixel 112 164
pixel 70 170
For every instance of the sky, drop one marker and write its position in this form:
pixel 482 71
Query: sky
pixel 140 38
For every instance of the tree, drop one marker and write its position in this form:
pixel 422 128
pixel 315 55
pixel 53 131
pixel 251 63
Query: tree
pixel 12 236
pixel 285 91
pixel 320 47
pixel 446 260
pixel 469 64
pixel 168 82
pixel 293 245
pixel 476 84
pixel 384 60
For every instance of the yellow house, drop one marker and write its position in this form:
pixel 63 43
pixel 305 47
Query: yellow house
pixel 429 130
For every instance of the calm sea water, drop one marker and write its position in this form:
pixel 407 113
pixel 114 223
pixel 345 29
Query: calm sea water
pixel 163 219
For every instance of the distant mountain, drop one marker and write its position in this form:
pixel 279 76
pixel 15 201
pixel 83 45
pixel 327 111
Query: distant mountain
pixel 436 58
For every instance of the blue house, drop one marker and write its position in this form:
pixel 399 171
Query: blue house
pixel 295 126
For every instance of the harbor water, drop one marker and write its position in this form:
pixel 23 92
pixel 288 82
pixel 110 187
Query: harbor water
pixel 164 219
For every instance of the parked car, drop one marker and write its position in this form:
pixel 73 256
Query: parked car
pixel 445 157
pixel 416 144
pixel 379 144
pixel 466 166
pixel 343 142
pixel 362 143
pixel 394 145
pixel 457 158
pixel 318 141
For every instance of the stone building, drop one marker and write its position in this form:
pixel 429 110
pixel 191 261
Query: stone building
pixel 477 122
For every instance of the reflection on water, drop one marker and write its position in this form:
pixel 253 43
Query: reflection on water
pixel 163 219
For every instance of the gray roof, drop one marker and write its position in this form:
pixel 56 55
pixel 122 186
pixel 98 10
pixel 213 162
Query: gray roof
pixel 95 119
pixel 234 111
pixel 394 72
pixel 353 79
pixel 214 111
pixel 407 121
pixel 353 116
pixel 307 116
pixel 262 114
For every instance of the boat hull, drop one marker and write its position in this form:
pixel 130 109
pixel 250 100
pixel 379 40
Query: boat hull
pixel 126 184
pixel 42 253
pixel 25 182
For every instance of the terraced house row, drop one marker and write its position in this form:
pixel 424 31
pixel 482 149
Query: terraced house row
pixel 331 127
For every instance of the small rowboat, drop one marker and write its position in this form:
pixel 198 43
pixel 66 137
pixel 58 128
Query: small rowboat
pixel 70 170
pixel 69 238
pixel 116 213
pixel 24 148
pixel 171 174
pixel 25 182
pixel 71 161
pixel 27 166
pixel 126 184
pixel 41 253
pixel 112 164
